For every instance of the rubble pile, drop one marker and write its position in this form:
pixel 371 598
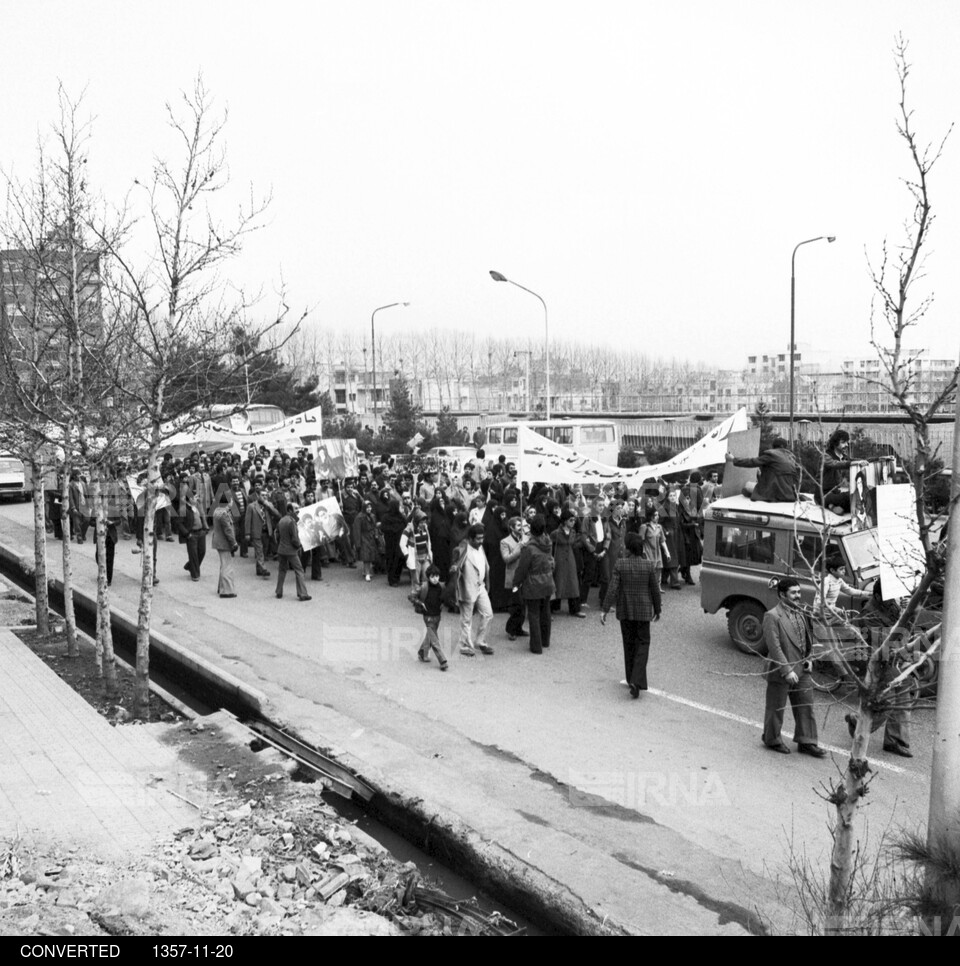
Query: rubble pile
pixel 274 859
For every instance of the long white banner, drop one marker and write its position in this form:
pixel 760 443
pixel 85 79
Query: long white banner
pixel 541 460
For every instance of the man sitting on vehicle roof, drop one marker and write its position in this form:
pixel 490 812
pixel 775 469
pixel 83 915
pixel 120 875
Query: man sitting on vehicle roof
pixel 779 477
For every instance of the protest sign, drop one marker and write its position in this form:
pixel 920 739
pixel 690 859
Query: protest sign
pixel 902 559
pixel 319 522
pixel 336 459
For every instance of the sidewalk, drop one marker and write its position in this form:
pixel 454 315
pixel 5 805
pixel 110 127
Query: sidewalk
pixel 69 778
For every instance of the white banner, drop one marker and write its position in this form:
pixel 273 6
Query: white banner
pixel 320 521
pixel 294 432
pixel 902 560
pixel 543 461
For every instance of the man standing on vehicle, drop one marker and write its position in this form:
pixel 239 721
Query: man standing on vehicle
pixel 786 635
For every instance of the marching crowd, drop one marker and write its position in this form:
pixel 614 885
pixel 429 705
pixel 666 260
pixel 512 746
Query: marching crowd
pixel 473 542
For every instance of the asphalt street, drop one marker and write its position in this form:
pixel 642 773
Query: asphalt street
pixel 665 813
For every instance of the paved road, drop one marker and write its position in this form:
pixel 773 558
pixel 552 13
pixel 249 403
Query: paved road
pixel 665 813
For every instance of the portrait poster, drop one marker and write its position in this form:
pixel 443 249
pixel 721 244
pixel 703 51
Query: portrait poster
pixel 864 481
pixel 336 459
pixel 319 522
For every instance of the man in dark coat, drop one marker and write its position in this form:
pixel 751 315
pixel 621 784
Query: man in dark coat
pixel 635 592
pixel 779 477
pixel 288 552
pixel 786 634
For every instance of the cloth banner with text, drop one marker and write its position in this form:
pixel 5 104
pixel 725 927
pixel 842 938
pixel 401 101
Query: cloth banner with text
pixel 319 522
pixel 541 460
pixel 899 548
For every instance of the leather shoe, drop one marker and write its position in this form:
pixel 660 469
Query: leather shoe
pixel 634 691
pixel 485 649
pixel 522 634
pixel 781 749
pixel 815 751
pixel 902 750
pixel 511 637
pixel 227 595
pixel 305 597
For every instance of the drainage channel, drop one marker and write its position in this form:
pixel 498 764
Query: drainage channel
pixel 402 834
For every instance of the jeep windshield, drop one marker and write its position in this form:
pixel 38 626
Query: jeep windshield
pixel 863 551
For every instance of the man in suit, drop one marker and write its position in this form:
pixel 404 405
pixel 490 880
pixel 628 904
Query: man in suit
pixel 225 543
pixel 258 523
pixel 238 513
pixel 511 547
pixel 288 552
pixel 468 587
pixel 635 591
pixel 786 634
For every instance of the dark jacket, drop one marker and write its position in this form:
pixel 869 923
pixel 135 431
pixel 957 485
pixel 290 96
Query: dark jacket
pixel 634 590
pixel 534 573
pixel 779 476
pixel 288 539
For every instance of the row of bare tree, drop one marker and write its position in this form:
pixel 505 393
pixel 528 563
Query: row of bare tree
pixel 118 328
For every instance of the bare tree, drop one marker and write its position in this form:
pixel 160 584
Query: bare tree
pixel 179 320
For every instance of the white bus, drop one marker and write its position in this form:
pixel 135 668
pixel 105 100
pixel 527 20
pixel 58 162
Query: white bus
pixel 595 438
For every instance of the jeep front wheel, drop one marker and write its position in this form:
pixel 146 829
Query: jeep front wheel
pixel 745 624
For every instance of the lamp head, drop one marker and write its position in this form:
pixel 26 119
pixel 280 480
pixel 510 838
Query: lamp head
pixel 498 276
pixel 831 238
pixel 405 304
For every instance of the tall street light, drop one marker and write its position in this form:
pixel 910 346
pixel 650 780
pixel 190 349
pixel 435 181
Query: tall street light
pixel 793 298
pixel 499 277
pixel 373 346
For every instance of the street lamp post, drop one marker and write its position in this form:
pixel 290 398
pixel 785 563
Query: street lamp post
pixel 373 347
pixel 793 294
pixel 499 277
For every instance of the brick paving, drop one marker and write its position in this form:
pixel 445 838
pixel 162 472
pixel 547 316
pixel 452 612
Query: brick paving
pixel 68 777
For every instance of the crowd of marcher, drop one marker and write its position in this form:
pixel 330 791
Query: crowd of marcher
pixel 475 542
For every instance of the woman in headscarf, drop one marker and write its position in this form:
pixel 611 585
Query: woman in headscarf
pixel 439 528
pixel 495 529
pixel 552 512
pixel 564 538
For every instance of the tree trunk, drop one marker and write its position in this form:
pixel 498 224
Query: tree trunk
pixel 40 592
pixel 943 827
pixel 141 708
pixel 846 799
pixel 106 659
pixel 70 617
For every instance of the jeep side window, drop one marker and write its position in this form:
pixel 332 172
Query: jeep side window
pixel 747 543
pixel 806 549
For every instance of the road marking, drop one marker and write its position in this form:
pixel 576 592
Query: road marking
pixel 730 716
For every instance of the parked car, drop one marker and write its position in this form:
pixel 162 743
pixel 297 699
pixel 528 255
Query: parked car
pixel 15 481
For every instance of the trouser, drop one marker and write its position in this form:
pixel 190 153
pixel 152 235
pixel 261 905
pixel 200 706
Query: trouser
pixel 636 650
pixel 670 575
pixel 431 640
pixel 162 523
pixel 539 620
pixel 225 584
pixel 79 524
pixel 111 548
pixel 573 605
pixel 196 551
pixel 800 696
pixel 837 497
pixel 896 719
pixel 395 561
pixel 418 576
pixel 241 536
pixel 467 607
pixel 312 557
pixel 515 612
pixel 589 575
pixel 257 543
pixel 290 561
pixel 345 550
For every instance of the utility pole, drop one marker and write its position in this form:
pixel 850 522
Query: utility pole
pixel 943 826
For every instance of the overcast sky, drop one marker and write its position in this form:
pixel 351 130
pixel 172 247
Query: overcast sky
pixel 646 167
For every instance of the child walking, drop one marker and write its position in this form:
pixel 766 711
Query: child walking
pixel 432 610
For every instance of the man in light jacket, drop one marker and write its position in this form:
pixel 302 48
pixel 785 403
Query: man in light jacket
pixel 225 543
pixel 511 547
pixel 468 588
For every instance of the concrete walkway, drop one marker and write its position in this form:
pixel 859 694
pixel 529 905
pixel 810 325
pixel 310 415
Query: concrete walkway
pixel 71 779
